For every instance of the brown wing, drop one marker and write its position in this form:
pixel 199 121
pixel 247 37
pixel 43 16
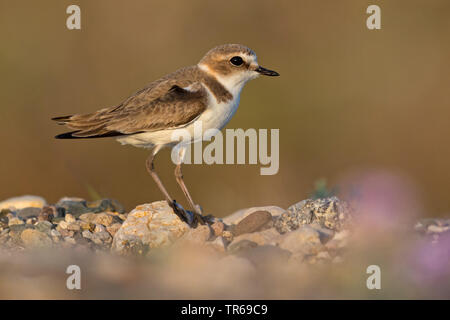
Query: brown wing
pixel 173 101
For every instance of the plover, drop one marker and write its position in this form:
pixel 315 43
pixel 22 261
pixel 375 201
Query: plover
pixel 208 92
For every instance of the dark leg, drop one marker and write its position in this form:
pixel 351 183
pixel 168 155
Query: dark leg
pixel 183 214
pixel 179 177
pixel 197 209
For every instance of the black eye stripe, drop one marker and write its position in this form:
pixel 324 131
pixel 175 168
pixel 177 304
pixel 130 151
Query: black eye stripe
pixel 236 61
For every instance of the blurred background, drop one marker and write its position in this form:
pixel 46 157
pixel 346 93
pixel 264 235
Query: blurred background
pixel 349 100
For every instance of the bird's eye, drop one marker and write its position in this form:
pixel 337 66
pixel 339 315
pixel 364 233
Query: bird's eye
pixel 236 61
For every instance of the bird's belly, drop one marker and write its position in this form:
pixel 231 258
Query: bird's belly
pixel 216 116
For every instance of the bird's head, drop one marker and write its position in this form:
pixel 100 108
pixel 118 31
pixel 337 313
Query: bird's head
pixel 233 65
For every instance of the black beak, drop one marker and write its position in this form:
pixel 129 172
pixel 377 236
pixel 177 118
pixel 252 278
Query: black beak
pixel 267 72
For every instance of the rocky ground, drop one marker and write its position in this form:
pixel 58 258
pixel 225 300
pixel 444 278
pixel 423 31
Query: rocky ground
pixel 310 232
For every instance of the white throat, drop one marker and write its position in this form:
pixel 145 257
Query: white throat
pixel 233 83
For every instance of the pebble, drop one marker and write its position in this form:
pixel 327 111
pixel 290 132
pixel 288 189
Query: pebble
pixel 63 224
pixel 15 221
pixel 44 226
pixel 87 234
pixel 23 202
pixel 236 217
pixel 69 218
pixel 86 225
pixel 112 229
pixel 201 234
pixel 268 236
pixel 30 212
pixel 104 219
pixel 252 223
pixel 48 213
pixel 73 227
pixel 35 239
pixel 218 227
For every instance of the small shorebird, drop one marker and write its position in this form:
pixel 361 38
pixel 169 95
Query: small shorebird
pixel 208 92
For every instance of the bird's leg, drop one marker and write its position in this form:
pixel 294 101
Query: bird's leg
pixel 183 214
pixel 179 177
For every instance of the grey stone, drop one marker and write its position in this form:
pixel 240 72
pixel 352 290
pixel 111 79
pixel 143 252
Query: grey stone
pixel 30 212
pixel 44 226
pixel 330 213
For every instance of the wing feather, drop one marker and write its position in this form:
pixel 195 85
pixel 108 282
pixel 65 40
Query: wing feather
pixel 173 101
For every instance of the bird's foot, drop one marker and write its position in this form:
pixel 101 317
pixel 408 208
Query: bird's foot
pixel 184 215
pixel 191 218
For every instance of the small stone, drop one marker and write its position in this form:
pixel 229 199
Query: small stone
pixel 15 221
pixel 252 223
pixel 87 234
pixel 236 217
pixel 57 220
pixel 99 228
pixel 105 205
pixel 66 233
pixel 87 217
pixel 201 234
pixel 112 229
pixel 73 227
pixel 44 226
pixel 35 239
pixel 265 237
pixel 227 235
pixel 48 213
pixel 55 233
pixel 4 215
pixel 104 219
pixel 76 208
pixel 87 225
pixel 304 239
pixel 30 212
pixel 69 218
pixel 218 228
pixel 330 213
pixel 101 237
pixel 63 225
pixel 31 220
pixel 23 202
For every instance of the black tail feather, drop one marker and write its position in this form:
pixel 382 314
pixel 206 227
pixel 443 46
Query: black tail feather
pixel 72 135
